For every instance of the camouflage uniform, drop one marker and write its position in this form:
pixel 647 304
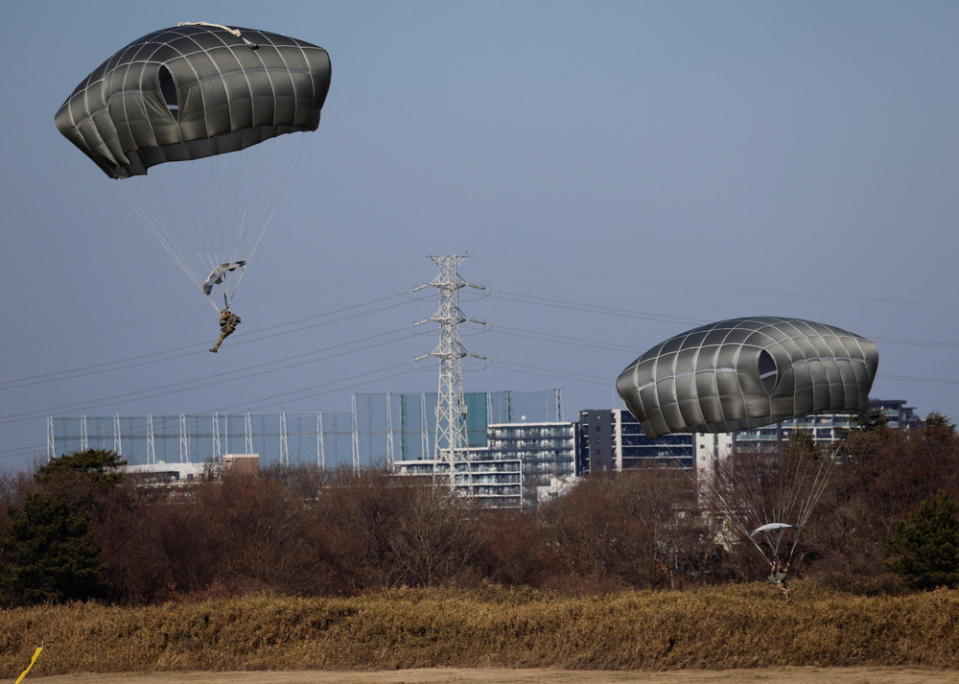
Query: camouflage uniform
pixel 228 323
pixel 777 575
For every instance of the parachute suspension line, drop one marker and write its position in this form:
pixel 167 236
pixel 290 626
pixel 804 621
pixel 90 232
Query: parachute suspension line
pixel 236 207
pixel 819 486
pixel 753 495
pixel 165 239
pixel 217 221
pixel 204 226
pixel 284 180
pixel 262 168
pixel 266 225
pixel 148 205
pixel 218 209
pixel 761 514
pixel 731 515
pixel 172 196
pixel 820 483
pixel 202 238
pixel 799 478
pixel 237 224
pixel 786 483
pixel 781 502
pixel 756 512
pixel 735 520
pixel 789 486
pixel 241 195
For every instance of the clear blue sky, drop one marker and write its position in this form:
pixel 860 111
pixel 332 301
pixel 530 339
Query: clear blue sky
pixel 617 171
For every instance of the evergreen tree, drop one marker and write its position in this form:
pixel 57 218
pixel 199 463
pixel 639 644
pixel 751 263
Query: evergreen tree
pixel 926 545
pixel 49 555
pixel 871 419
pixel 938 420
pixel 101 463
pixel 85 480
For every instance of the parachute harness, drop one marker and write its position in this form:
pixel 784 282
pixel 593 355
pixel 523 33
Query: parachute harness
pixel 232 31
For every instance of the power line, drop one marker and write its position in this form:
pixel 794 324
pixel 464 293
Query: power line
pixel 909 378
pixel 552 373
pixel 590 307
pixel 328 388
pixel 192 350
pixel 184 313
pixel 223 377
pixel 659 317
pixel 558 339
pixel 350 381
pixel 566 271
pixel 22 451
pixel 350 312
pixel 917 343
pixel 349 278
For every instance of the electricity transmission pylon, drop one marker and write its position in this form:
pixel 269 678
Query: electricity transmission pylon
pixel 451 444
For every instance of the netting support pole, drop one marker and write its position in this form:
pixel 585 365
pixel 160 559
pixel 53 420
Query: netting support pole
pixel 51 440
pixel 320 453
pixel 184 440
pixel 217 454
pixel 151 444
pixel 389 433
pixel 117 437
pixel 355 438
pixel 248 433
pixel 284 444
pixel 424 430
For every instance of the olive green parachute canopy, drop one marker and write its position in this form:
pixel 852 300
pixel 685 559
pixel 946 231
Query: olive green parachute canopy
pixel 747 372
pixel 192 94
pixel 194 91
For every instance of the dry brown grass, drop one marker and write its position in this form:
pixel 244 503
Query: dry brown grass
pixel 744 626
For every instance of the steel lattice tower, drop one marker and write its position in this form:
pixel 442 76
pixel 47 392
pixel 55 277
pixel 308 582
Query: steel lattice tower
pixel 450 445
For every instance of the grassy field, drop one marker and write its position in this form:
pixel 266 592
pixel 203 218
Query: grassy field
pixel 742 626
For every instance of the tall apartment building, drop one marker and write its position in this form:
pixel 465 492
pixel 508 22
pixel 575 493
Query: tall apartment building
pixel 518 466
pixel 824 428
pixel 612 440
pixel 546 453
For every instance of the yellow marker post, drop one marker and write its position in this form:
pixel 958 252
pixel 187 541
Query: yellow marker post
pixel 36 654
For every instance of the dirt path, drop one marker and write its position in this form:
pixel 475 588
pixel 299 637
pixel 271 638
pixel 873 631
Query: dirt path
pixel 794 675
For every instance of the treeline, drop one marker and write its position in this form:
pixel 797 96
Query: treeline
pixel 76 529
